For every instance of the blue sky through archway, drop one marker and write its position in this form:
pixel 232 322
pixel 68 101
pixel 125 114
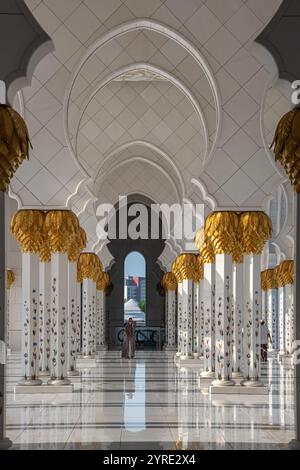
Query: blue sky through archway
pixel 135 265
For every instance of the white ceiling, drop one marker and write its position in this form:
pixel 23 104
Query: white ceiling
pixel 148 135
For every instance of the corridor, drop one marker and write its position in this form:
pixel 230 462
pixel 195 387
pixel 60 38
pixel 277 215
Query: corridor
pixel 149 403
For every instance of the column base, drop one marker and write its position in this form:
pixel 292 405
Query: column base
pixel 44 373
pixel 73 373
pixel 43 389
pixel 208 374
pixel 237 375
pixel 286 359
pixel 223 383
pixel 251 383
pixel 170 348
pixel 30 383
pixel 5 443
pixel 187 358
pixel 282 353
pixel 239 390
pixel 59 382
pixel 189 362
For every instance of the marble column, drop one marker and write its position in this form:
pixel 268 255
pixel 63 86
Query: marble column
pixel 45 314
pixel 102 284
pixel 201 318
pixel 169 284
pixel 27 227
pixel 10 279
pixel 186 270
pixel 297 320
pixel 78 318
pixel 196 320
pixel 238 285
pixel 255 230
pixel 179 319
pixel 252 309
pixel 61 228
pixel 5 443
pixel 187 319
pixel 281 320
pixel 88 318
pixel 222 230
pixel 223 320
pixel 264 305
pixel 271 302
pixel 72 318
pixel 30 318
pixel 290 318
pixel 209 352
pixel 59 319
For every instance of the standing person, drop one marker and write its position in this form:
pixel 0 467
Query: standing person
pixel 264 338
pixel 128 348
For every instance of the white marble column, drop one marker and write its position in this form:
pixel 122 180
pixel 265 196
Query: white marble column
pixel 170 305
pixel 252 309
pixel 201 318
pixel 101 320
pixel 196 320
pixel 10 279
pixel 7 323
pixel 187 319
pixel 88 318
pixel 78 318
pixel 208 301
pixel 59 319
pixel 290 318
pixel 72 319
pixel 30 319
pixel 237 343
pixel 45 316
pixel 264 306
pixel 223 308
pixel 271 318
pixel 179 319
pixel 281 320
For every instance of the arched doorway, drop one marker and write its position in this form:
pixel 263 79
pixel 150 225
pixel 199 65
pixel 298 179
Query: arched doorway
pixel 135 288
pixel 150 250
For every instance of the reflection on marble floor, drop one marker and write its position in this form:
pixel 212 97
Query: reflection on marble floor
pixel 148 403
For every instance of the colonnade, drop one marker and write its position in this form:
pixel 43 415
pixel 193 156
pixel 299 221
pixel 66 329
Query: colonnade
pixel 10 279
pixel 60 310
pixel 278 306
pixel 219 297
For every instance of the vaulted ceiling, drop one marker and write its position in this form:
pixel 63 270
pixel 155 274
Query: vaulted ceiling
pixel 157 97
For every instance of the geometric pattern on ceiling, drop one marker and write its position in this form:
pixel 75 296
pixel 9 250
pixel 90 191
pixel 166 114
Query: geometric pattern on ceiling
pixel 155 112
pixel 239 173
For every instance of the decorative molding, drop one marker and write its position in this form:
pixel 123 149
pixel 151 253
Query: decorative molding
pixel 155 26
pixel 112 77
pixel 140 75
pixel 22 52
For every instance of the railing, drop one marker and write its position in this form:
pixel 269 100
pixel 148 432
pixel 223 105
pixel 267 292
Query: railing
pixel 146 337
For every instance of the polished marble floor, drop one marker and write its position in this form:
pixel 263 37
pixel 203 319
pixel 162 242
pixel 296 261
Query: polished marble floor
pixel 148 403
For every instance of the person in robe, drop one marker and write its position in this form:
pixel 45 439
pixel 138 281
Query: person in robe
pixel 128 348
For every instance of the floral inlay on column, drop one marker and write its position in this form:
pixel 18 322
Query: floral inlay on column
pixel 89 269
pixel 27 227
pixel 256 230
pixel 221 229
